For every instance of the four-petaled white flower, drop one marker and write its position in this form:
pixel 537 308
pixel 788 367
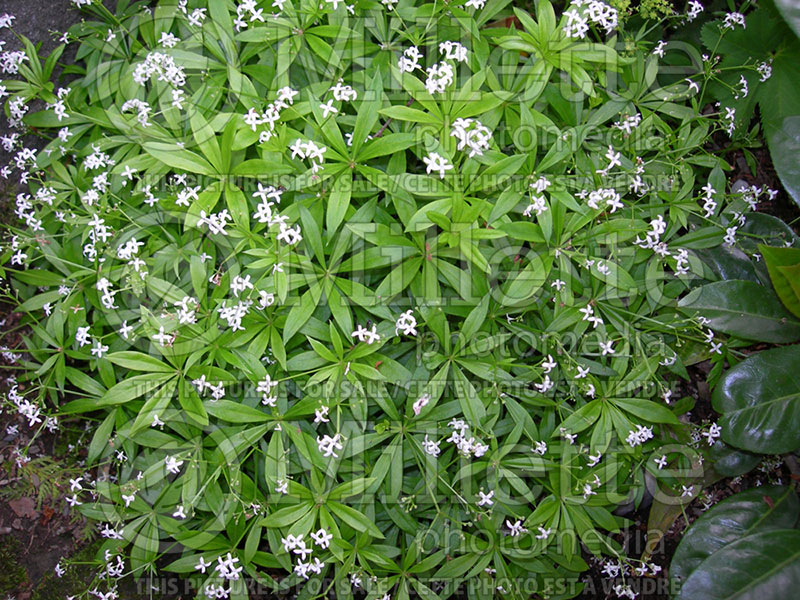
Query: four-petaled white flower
pixel 485 499
pixel 515 528
pixel 436 162
pixel 328 445
pixel 322 538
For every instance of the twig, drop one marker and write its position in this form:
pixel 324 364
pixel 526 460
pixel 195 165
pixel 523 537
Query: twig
pixel 385 125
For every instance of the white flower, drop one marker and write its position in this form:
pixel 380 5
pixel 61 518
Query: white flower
pixel 179 512
pixel 516 528
pixel 543 533
pixel 328 445
pixel 607 347
pixel 733 19
pixel 453 51
pixel 365 335
pixel 265 299
pixel 172 464
pixel 435 162
pixel 639 436
pixel 694 8
pixel 765 70
pixel 407 323
pixel 282 487
pixel 687 491
pixel 82 336
pixel 409 62
pixel 343 93
pixel 485 499
pixel 99 349
pixel 570 437
pixel 421 403
pixel 431 447
pixel 714 432
pixel 328 109
pixel 538 205
pixel 322 538
pixel 227 568
pixel 549 364
pixel 545 386
pixel 471 134
pixel 161 337
pixel 321 414
pixel 202 565
pixel 440 76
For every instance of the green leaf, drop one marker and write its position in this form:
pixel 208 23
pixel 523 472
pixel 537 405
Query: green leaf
pixel 190 402
pixel 523 230
pixel 468 399
pixel 101 436
pixel 760 402
pixel 139 361
pixel 752 511
pixel 367 115
pixel 131 388
pixel 647 410
pixel 287 516
pixel 731 462
pixel 744 309
pixel 405 113
pixel 783 265
pixel 338 201
pixel 387 144
pixel 261 168
pixel 354 518
pixel 154 406
pixel 233 412
pixel 237 204
pixel 784 148
pixel 762 566
pixel 527 282
pixel 179 158
pixel 790 10
pixel 206 140
pixel 301 312
pixel 456 568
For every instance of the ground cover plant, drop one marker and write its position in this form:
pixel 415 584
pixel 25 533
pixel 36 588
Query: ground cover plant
pixel 384 299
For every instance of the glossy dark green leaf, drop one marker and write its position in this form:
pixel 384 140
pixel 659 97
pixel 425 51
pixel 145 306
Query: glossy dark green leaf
pixel 783 265
pixel 743 514
pixel 760 402
pixel 744 309
pixel 732 462
pixel 790 10
pixel 784 147
pixel 762 566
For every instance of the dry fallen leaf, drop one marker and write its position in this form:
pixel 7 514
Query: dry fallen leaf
pixel 24 507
